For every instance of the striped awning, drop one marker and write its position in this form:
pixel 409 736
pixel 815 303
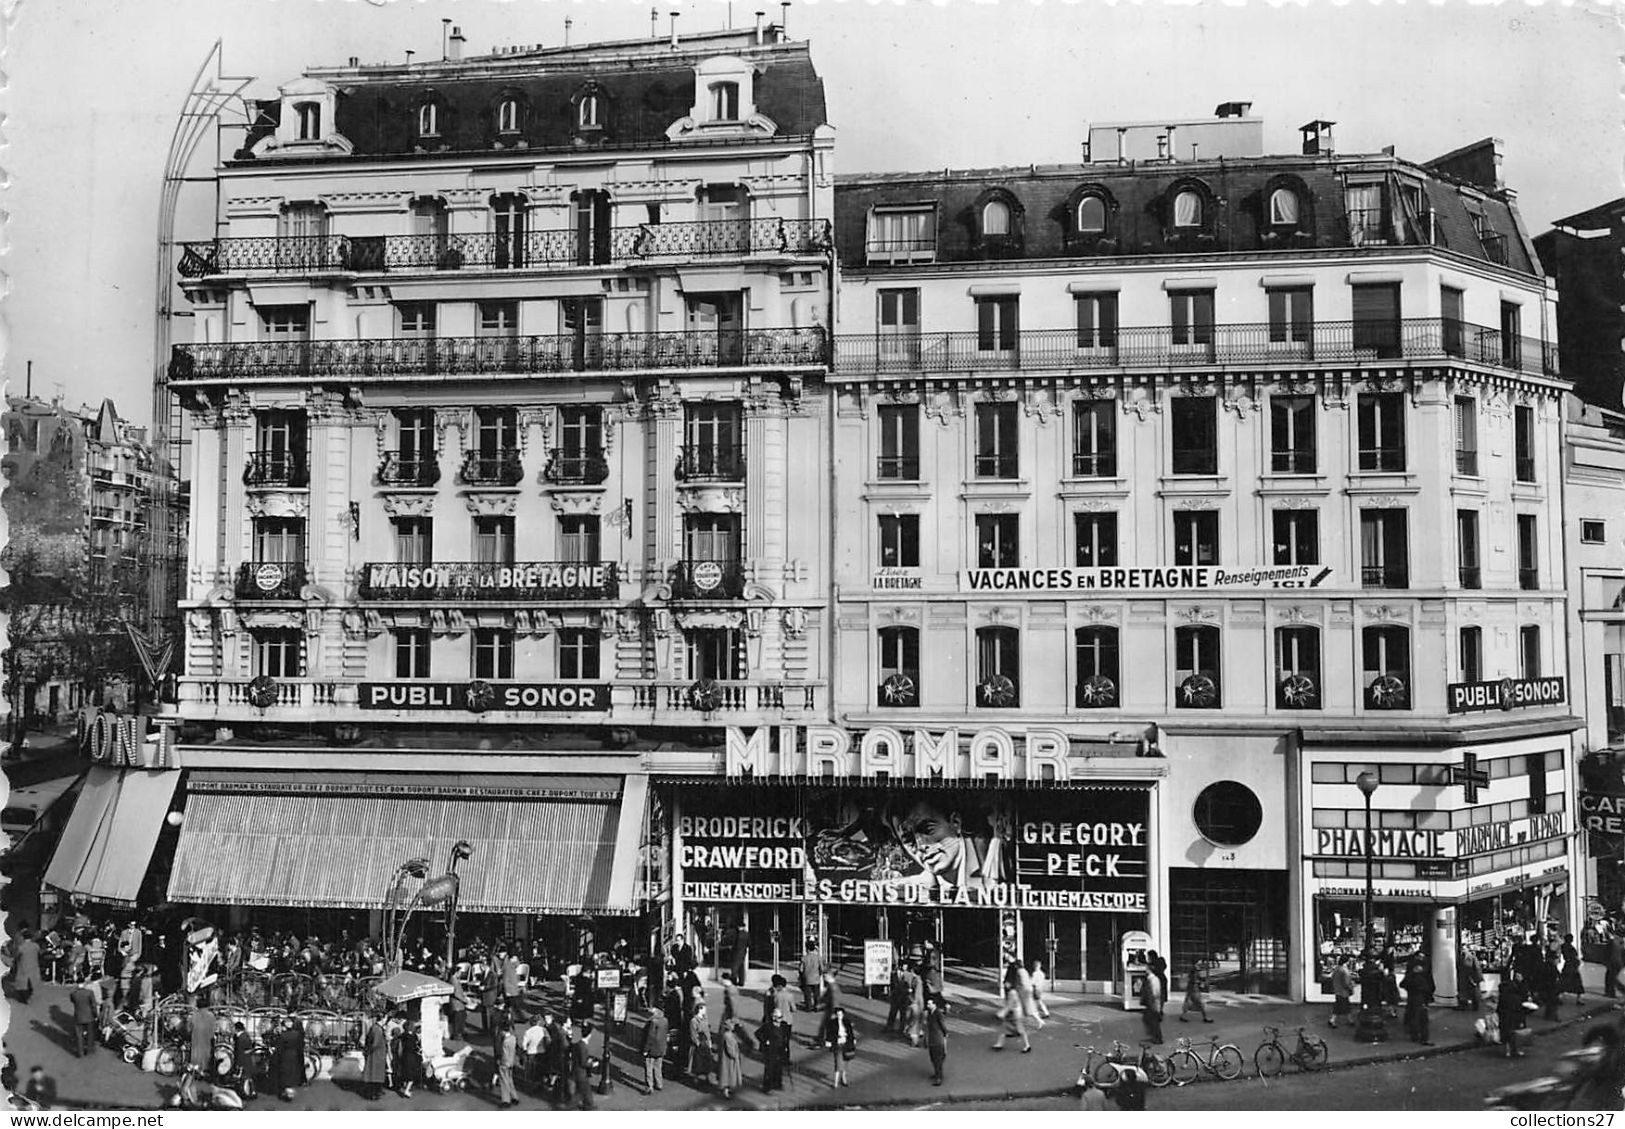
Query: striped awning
pixel 106 847
pixel 322 848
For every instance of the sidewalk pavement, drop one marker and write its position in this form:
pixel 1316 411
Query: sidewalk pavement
pixel 886 1072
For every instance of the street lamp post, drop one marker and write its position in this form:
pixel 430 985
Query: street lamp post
pixel 1369 1027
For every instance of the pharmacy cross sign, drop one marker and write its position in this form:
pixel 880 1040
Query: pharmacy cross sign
pixel 1469 776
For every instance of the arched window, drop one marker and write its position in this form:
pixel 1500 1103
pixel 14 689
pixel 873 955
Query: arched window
pixel 1387 661
pixel 587 112
pixel 998 667
pixel 995 218
pixel 508 116
pixel 1284 207
pixel 428 120
pixel 310 120
pixel 725 101
pixel 899 666
pixel 1091 215
pixel 1098 677
pixel 1188 209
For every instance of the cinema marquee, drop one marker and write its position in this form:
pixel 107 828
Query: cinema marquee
pixel 818 751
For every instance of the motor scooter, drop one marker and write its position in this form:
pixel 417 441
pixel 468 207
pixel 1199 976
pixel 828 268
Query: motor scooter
pixel 196 1092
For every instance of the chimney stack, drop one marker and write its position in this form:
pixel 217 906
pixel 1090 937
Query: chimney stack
pixel 567 22
pixel 654 23
pixel 1232 109
pixel 784 17
pixel 759 16
pixel 1317 138
pixel 674 14
pixel 457 41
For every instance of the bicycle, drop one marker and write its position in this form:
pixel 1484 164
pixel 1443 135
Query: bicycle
pixel 1223 1060
pixel 1154 1066
pixel 1098 1068
pixel 1271 1057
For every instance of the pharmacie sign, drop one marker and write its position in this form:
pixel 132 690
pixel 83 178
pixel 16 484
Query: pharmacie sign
pixel 1479 839
pixel 819 751
pixel 1507 694
pixel 1168 578
pixel 477 697
pixel 1079 851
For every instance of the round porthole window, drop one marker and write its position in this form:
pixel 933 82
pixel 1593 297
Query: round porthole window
pixel 1228 814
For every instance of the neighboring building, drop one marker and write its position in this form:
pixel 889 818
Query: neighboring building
pixel 1583 254
pixel 510 475
pixel 1244 477
pixel 83 479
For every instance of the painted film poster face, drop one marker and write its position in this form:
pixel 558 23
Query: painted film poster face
pixel 1082 850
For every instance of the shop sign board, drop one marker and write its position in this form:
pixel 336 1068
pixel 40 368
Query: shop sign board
pixel 1157 578
pixel 1378 891
pixel 1078 851
pixel 608 978
pixel 877 958
pixel 127 740
pixel 1603 813
pixel 893 579
pixel 1475 840
pixel 1507 694
pixel 522 697
pixel 554 580
pixel 820 751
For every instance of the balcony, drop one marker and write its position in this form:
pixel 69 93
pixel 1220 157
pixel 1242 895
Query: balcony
pixel 1524 469
pixel 903 468
pixel 711 463
pixel 680 242
pixel 1292 462
pixel 220 697
pixel 1467 463
pixel 714 696
pixel 470 581
pixel 1383 459
pixel 276 468
pixel 567 467
pixel 1471 577
pixel 1094 465
pixel 1159 348
pixel 707 580
pixel 451 357
pixel 1384 576
pixel 271 580
pixel 498 467
pixel 997 466
pixel 412 469
pixel 1529 579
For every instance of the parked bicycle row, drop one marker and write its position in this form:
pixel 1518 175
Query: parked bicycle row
pixel 1190 1060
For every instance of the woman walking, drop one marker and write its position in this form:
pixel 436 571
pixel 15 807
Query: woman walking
pixel 730 1066
pixel 842 1042
pixel 1040 984
pixel 408 1060
pixel 1196 999
pixel 701 1058
pixel 1014 1009
pixel 1569 978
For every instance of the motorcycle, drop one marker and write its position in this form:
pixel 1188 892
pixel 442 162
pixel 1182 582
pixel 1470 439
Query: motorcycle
pixel 1587 1078
pixel 196 1092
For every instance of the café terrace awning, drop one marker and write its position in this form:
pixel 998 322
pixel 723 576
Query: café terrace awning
pixel 107 845
pixel 556 845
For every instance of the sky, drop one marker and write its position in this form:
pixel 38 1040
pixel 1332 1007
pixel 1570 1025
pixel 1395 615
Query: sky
pixel 94 87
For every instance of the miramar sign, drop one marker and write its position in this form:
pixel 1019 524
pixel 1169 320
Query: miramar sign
pixel 1507 694
pixel 818 751
pixel 1171 578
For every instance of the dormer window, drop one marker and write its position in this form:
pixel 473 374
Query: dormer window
pixel 507 116
pixel 1091 215
pixel 725 101
pixel 310 120
pixel 428 120
pixel 995 218
pixel 1188 209
pixel 587 113
pixel 1283 208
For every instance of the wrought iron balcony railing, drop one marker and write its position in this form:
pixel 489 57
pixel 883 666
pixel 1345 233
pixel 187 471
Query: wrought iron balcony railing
pixel 499 467
pixel 726 696
pixel 1467 463
pixel 276 468
pixel 1094 464
pixel 289 255
pixel 1382 459
pixel 1529 579
pixel 462 581
pixel 1524 469
pixel 905 468
pixel 1384 576
pixel 1293 462
pixel 578 467
pixel 711 463
pixel 464 356
pixel 1470 576
pixel 1162 347
pixel 270 580
pixel 415 469
pixel 707 580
